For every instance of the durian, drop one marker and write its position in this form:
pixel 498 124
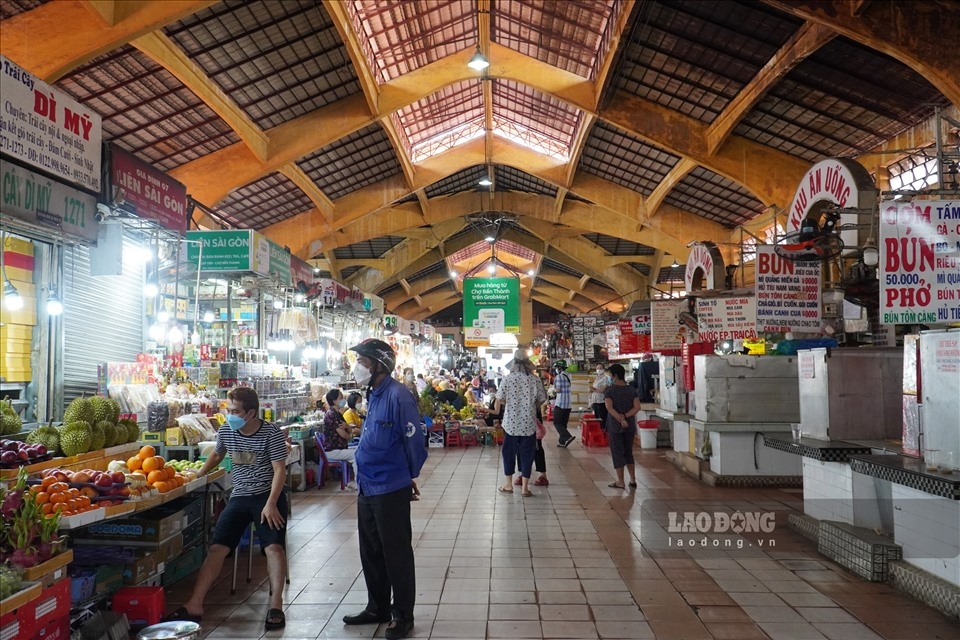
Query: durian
pixel 79 410
pixel 10 421
pixel 101 409
pixel 131 429
pixel 114 413
pixel 111 435
pixel 46 435
pixel 98 437
pixel 75 438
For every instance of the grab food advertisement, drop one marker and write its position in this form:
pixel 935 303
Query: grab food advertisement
pixel 492 303
pixel 920 262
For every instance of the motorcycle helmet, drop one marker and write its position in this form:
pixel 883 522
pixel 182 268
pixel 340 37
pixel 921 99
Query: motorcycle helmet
pixel 377 350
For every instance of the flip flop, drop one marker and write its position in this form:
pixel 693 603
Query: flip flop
pixel 527 494
pixel 614 485
pixel 279 620
pixel 632 485
pixel 502 490
pixel 183 614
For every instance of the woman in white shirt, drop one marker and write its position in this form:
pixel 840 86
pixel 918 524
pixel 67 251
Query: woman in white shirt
pixel 600 382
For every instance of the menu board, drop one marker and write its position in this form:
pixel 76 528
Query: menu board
pixel 664 324
pixel 787 293
pixel 727 318
pixel 920 262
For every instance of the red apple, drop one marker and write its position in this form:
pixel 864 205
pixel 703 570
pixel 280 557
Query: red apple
pixel 104 481
pixel 118 477
pixel 60 476
pixel 80 476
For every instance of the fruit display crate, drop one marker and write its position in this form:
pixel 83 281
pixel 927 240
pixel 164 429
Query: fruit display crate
pixel 50 571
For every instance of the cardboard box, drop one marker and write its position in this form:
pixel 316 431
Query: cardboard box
pixel 151 437
pixel 109 578
pixel 147 528
pixel 140 569
pixel 168 550
pixel 173 437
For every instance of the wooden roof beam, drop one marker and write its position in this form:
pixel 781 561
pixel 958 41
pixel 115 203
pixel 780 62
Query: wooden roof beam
pixel 679 171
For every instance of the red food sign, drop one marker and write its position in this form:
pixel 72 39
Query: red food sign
pixel 137 187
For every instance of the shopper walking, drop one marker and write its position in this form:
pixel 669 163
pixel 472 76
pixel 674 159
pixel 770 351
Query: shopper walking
pixel 562 404
pixel 600 382
pixel 336 432
pixel 519 395
pixel 389 457
pixel 258 450
pixel 539 457
pixel 621 425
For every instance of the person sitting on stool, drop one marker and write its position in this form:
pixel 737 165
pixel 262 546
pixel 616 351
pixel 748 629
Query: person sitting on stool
pixel 336 432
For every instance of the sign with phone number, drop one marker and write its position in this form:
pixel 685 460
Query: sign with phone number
pixel 44 202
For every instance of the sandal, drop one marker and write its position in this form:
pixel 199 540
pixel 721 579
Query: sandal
pixel 614 485
pixel 527 494
pixel 541 482
pixel 632 485
pixel 275 620
pixel 518 481
pixel 183 614
pixel 502 490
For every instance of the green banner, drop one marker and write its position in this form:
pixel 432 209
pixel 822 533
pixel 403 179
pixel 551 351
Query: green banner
pixel 222 250
pixel 492 303
pixel 279 264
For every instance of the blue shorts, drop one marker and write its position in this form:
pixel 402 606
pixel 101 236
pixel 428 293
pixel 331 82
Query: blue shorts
pixel 240 512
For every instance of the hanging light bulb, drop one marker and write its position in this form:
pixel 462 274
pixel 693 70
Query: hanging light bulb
pixel 54 306
pixel 490 239
pixel 151 290
pixel 871 254
pixel 492 269
pixel 163 317
pixel 175 335
pixel 299 298
pixel 11 297
pixel 156 332
pixel 208 316
pixel 453 274
pixel 485 182
pixel 675 263
pixel 277 303
pixel 478 62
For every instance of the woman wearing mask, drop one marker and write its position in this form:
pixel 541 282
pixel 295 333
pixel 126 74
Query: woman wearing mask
pixel 622 407
pixel 600 382
pixel 410 382
pixel 352 416
pixel 519 395
pixel 336 431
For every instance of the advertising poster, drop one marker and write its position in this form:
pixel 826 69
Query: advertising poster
pixel 613 340
pixel 787 293
pixel 137 187
pixel 44 202
pixel 492 303
pixel 665 324
pixel 920 262
pixel 727 318
pixel 634 335
pixel 47 129
pixel 222 250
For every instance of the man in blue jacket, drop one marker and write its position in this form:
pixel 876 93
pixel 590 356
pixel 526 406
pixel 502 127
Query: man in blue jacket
pixel 389 458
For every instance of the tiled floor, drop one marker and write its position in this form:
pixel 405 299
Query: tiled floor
pixel 577 560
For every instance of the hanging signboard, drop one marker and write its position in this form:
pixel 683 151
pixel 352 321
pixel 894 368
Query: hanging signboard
pixel 492 303
pixel 476 337
pixel 410 328
pixel 634 335
pixel 787 293
pixel 391 324
pixel 665 324
pixel 728 318
pixel 335 293
pixel 43 202
pixel 920 262
pixel 300 271
pixel 137 187
pixel 47 129
pixel 224 250
pixel 704 268
pixel 373 304
pixel 613 340
pixel 844 183
pixel 279 264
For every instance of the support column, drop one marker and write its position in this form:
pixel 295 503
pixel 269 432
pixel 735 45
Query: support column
pixel 526 321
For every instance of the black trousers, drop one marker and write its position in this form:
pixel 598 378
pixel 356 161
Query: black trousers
pixel 600 412
pixel 386 552
pixel 539 459
pixel 560 419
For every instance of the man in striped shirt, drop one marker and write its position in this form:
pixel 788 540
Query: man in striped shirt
pixel 258 450
pixel 562 405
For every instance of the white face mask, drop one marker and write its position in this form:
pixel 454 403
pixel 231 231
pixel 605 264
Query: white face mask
pixel 599 372
pixel 409 377
pixel 361 374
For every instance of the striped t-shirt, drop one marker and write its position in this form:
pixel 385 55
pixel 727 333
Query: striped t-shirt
pixel 252 457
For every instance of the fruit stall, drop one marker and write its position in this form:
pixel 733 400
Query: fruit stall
pixel 76 529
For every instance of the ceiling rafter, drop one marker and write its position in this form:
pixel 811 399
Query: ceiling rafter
pixel 810 37
pixel 917 40
pixel 74 32
pixel 679 171
pixel 296 175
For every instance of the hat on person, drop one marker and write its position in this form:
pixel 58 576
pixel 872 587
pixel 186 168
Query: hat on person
pixel 520 358
pixel 377 350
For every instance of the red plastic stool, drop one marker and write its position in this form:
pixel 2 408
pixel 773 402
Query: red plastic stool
pixel 469 438
pixel 453 439
pixel 142 605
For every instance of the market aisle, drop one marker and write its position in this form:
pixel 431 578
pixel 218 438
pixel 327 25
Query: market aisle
pixel 568 563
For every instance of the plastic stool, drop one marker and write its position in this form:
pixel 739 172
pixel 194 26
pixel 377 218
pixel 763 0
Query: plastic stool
pixel 236 557
pixel 453 439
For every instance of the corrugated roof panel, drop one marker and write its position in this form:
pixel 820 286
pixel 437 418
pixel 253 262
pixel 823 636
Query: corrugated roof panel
pixel 441 120
pixel 618 246
pixel 694 57
pixel 368 249
pixel 264 202
pixel 540 121
pixel 398 37
pixel 509 179
pixel 276 60
pixel 10 8
pixel 614 154
pixel 714 197
pixel 352 162
pixel 550 263
pixel 146 110
pixel 463 180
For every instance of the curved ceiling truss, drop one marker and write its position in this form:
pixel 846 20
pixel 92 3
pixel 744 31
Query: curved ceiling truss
pixel 332 124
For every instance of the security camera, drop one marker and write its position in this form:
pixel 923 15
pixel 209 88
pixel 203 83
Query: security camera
pixel 99 217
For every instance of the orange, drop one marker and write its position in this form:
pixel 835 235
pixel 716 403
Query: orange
pixel 49 480
pixel 150 464
pixel 47 508
pixel 42 497
pixel 161 486
pixel 59 487
pixel 146 451
pixel 161 461
pixel 155 476
pixel 84 501
pixel 58 497
pixel 171 472
pixel 134 463
pixel 73 492
pixel 178 481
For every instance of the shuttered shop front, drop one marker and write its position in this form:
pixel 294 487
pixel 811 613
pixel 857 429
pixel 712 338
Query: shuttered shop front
pixel 102 318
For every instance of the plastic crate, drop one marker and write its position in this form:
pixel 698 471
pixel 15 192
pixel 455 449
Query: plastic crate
pixel 225 464
pixel 142 605
pixel 83 585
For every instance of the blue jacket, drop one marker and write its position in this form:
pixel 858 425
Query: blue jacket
pixel 392 449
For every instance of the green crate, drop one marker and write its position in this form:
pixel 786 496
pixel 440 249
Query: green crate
pixel 226 463
pixel 183 565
